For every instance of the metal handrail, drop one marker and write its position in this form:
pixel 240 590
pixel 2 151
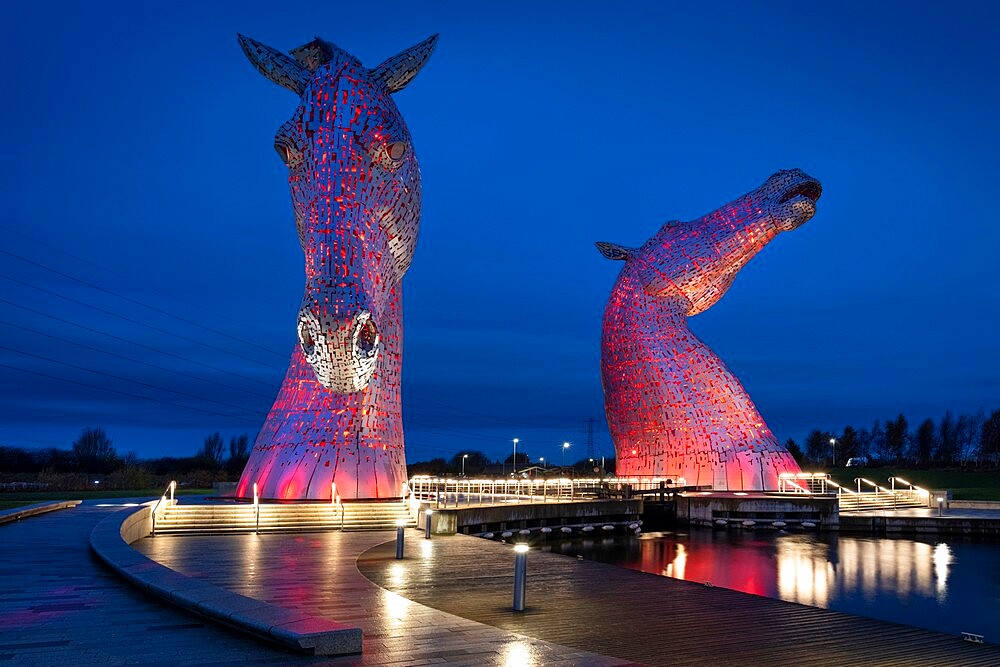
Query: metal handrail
pixel 444 492
pixel 913 487
pixel 163 499
pixel 256 508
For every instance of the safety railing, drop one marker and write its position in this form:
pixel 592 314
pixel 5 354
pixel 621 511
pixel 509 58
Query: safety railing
pixel 455 492
pixel 335 501
pixel 161 505
pixel 256 508
pixel 805 482
pixel 911 492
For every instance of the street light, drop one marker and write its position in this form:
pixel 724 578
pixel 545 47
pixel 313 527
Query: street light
pixel 464 456
pixel 833 443
pixel 563 451
pixel 516 440
pixel 541 460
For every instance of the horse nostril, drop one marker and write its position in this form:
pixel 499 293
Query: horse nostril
pixel 367 339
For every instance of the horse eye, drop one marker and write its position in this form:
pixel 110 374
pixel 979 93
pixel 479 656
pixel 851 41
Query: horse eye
pixel 283 152
pixel 397 150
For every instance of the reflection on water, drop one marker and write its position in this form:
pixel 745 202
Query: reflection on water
pixel 949 585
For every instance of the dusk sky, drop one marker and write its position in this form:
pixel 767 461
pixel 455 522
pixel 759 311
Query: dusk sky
pixel 150 274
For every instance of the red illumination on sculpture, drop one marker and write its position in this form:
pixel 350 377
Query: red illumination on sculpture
pixel 355 187
pixel 673 408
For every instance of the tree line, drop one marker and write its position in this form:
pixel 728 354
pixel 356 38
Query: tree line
pixel 93 458
pixel 966 440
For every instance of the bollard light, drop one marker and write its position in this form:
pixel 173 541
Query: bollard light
pixel 427 524
pixel 400 527
pixel 940 502
pixel 520 574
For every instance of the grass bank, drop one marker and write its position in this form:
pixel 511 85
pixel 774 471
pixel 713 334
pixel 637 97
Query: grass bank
pixel 965 485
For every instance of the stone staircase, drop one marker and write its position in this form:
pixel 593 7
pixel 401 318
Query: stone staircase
pixel 178 519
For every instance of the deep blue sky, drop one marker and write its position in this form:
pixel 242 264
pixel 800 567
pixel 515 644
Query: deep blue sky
pixel 137 156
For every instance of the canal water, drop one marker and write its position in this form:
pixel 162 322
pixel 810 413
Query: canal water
pixel 947 584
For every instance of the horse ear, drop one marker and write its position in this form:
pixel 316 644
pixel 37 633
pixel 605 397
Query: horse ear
pixel 399 70
pixel 275 65
pixel 614 251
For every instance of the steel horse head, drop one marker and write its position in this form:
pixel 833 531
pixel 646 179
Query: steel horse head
pixel 674 409
pixel 355 188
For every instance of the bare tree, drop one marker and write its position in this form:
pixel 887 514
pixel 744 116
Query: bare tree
pixel 947 442
pixel 94 451
pixel 239 452
pixel 924 443
pixel 897 434
pixel 989 439
pixel 211 450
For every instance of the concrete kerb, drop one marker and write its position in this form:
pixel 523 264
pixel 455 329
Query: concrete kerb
pixel 296 630
pixel 18 513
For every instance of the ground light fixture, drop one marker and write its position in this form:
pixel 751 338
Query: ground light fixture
pixel 940 502
pixel 427 524
pixel 520 575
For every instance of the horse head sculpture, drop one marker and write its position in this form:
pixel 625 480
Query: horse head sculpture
pixel 673 408
pixel 355 189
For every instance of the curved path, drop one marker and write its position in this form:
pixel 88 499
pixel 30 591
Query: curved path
pixel 60 606
pixel 575 605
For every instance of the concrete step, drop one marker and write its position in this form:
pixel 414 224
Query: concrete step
pixel 223 519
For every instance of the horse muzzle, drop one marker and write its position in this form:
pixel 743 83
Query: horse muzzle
pixel 342 352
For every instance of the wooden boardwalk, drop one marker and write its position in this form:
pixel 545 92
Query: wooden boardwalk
pixel 650 619
pixel 317 572
pixel 576 608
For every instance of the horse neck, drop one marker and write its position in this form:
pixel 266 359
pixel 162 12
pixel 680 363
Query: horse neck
pixel 653 334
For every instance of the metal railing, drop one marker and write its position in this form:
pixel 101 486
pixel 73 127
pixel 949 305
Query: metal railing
pixel 911 492
pixel 335 501
pixel 164 502
pixel 256 508
pixel 454 492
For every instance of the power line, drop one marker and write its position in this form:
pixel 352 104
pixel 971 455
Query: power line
pixel 120 275
pixel 123 393
pixel 125 379
pixel 138 303
pixel 142 324
pixel 122 356
pixel 148 347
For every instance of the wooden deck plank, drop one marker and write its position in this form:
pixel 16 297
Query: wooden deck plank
pixel 586 605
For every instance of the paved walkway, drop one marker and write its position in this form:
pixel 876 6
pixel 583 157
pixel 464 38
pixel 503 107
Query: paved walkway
pixel 60 606
pixel 317 572
pixel 582 605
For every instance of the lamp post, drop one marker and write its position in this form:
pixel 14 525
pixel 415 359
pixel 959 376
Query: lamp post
pixel 464 456
pixel 516 440
pixel 833 443
pixel 541 460
pixel 563 452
